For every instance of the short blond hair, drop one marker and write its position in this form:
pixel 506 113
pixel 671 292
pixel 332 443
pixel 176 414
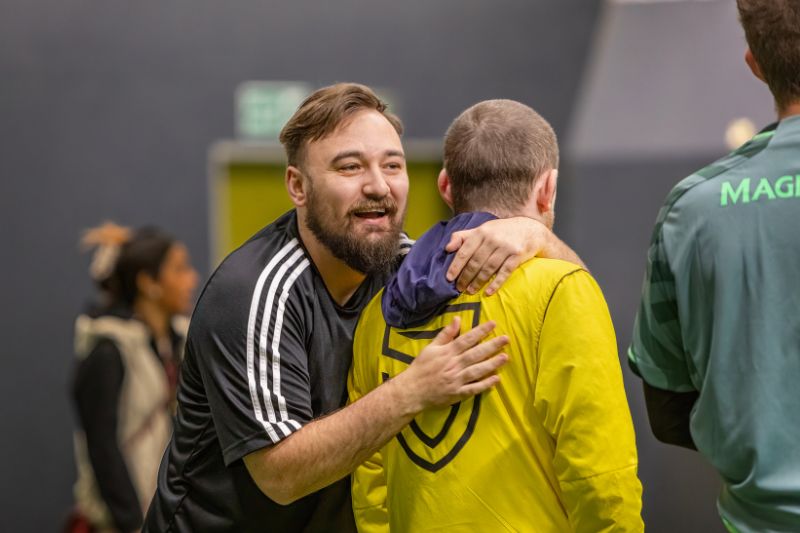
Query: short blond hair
pixel 493 153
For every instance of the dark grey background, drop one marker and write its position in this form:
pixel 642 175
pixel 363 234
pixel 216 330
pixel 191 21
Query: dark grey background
pixel 107 110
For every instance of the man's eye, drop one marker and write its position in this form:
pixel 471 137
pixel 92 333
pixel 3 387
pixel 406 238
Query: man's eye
pixel 352 167
pixel 394 166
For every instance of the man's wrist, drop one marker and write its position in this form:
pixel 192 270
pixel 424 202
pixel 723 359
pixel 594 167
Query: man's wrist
pixel 550 249
pixel 541 240
pixel 401 393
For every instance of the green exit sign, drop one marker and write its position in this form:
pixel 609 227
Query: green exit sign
pixel 263 107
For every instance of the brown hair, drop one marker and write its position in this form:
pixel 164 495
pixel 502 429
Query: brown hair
pixel 772 30
pixel 324 111
pixel 493 153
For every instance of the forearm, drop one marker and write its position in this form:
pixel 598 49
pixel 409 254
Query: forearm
pixel 331 447
pixel 451 368
pixel 498 247
pixel 605 502
pixel 369 491
pixel 669 414
pixel 596 463
pixel 555 248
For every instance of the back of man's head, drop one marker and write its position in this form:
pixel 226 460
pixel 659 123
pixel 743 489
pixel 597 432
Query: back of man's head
pixel 772 29
pixel 493 154
pixel 324 111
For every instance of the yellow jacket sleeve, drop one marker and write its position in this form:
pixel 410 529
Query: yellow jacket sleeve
pixel 580 398
pixel 368 481
pixel 369 496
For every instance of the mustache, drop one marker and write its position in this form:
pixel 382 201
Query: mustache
pixel 388 205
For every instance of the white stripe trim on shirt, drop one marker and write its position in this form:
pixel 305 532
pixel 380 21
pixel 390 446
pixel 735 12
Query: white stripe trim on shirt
pixel 251 327
pixel 276 342
pixel 263 341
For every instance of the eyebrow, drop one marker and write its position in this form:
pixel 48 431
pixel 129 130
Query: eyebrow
pixel 360 155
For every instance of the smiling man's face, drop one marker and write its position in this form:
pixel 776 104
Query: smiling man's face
pixel 357 189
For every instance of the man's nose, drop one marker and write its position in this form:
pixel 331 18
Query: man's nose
pixel 375 184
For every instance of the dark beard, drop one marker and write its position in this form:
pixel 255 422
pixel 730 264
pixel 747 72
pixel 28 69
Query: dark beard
pixel 367 257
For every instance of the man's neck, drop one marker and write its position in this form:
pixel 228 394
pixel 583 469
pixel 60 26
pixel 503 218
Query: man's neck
pixel 789 111
pixel 528 210
pixel 340 280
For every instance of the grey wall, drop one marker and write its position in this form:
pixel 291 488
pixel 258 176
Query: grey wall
pixel 107 110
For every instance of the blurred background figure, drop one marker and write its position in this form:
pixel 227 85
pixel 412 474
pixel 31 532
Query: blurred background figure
pixel 128 344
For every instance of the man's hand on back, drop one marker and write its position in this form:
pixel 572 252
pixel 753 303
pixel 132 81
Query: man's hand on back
pixel 452 367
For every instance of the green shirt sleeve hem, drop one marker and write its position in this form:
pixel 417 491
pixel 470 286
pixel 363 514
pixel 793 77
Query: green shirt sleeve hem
pixel 657 377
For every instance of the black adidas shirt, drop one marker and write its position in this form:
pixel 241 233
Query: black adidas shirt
pixel 268 351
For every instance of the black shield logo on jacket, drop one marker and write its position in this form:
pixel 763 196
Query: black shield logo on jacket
pixel 436 436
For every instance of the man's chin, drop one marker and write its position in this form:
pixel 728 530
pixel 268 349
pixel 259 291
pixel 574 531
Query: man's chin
pixel 373 231
pixel 373 234
pixel 372 225
pixel 377 238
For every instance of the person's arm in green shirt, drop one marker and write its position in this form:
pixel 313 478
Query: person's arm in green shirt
pixel 669 413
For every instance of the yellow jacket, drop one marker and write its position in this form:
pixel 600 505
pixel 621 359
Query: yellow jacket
pixel 550 449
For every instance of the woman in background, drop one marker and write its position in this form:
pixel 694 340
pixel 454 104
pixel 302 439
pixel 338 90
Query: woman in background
pixel 128 346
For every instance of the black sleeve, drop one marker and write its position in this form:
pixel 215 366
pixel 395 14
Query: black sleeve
pixel 97 386
pixel 669 415
pixel 253 360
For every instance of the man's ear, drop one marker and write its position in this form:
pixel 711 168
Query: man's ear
pixel 545 191
pixel 445 192
pixel 755 68
pixel 296 186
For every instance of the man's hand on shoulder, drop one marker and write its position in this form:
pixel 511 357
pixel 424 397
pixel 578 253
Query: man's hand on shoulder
pixel 497 248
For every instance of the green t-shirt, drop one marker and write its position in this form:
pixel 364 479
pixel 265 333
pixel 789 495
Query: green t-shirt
pixel 720 314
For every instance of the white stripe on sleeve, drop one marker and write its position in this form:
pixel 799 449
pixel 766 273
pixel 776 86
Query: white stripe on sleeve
pixel 251 327
pixel 276 343
pixel 263 341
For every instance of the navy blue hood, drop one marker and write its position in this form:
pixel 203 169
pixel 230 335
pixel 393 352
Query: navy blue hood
pixel 420 288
